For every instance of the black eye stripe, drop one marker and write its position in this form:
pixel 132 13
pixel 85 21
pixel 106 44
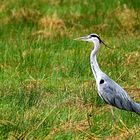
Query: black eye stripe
pixel 93 35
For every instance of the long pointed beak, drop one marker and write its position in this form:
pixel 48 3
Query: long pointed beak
pixel 84 38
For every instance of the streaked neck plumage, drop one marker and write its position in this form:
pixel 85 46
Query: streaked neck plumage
pixel 93 61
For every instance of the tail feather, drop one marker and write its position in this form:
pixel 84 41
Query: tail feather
pixel 135 107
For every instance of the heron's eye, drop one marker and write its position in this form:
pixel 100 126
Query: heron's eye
pixel 102 81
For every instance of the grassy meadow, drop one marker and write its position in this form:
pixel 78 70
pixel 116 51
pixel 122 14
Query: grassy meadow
pixel 47 89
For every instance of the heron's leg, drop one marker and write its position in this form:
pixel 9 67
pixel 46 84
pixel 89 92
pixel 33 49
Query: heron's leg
pixel 113 115
pixel 117 119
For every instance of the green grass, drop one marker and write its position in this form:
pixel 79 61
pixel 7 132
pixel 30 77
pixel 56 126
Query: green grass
pixel 47 89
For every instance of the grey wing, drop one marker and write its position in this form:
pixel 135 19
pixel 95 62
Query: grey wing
pixel 116 96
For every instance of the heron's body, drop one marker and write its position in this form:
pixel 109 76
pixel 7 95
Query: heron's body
pixel 109 90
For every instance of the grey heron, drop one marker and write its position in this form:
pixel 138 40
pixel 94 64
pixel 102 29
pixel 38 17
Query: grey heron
pixel 112 93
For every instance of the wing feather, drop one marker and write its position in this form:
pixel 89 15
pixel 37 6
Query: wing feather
pixel 116 96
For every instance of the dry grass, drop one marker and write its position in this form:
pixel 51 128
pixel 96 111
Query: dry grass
pixel 50 26
pixel 23 14
pixel 26 14
pixel 46 25
pixel 132 59
pixel 128 18
pixel 3 6
pixel 70 125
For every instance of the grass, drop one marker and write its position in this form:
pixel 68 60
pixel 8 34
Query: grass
pixel 47 89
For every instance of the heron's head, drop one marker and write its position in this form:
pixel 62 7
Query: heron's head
pixel 92 38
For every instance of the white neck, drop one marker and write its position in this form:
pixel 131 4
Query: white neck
pixel 93 61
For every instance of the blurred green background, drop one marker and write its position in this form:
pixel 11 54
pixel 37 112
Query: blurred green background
pixel 47 89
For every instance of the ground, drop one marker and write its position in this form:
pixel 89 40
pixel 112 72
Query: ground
pixel 47 89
